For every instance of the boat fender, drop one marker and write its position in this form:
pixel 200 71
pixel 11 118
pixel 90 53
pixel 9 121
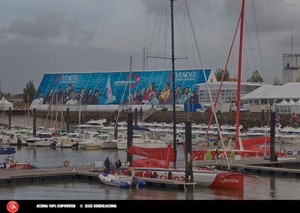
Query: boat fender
pixel 66 163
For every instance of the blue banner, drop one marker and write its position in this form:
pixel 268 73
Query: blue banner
pixel 116 88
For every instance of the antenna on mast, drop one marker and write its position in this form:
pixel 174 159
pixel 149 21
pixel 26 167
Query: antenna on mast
pixel 292 39
pixel 144 58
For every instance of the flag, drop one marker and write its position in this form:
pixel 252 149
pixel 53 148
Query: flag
pixel 294 117
pixel 277 117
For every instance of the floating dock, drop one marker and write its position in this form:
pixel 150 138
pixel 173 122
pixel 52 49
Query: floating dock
pixel 286 167
pixel 13 176
pixel 289 166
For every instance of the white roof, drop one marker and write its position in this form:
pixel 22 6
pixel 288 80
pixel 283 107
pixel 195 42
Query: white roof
pixel 289 90
pixel 3 100
pixel 260 92
pixel 5 105
pixel 282 103
pixel 226 85
pixel 291 102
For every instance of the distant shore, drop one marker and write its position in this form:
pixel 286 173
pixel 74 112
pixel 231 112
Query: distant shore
pixel 247 119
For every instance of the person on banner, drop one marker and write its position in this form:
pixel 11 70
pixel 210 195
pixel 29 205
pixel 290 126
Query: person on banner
pixel 217 155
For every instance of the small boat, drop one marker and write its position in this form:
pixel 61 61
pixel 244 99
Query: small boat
pixel 10 163
pixel 120 180
pixel 139 129
pixel 7 150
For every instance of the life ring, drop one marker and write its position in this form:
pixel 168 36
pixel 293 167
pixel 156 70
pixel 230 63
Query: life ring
pixel 136 81
pixel 220 156
pixel 66 163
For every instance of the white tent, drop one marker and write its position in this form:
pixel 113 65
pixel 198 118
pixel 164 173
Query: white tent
pixel 291 102
pixel 289 105
pixel 282 103
pixel 282 106
pixel 296 107
pixel 5 105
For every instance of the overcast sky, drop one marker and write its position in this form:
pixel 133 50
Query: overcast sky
pixel 54 36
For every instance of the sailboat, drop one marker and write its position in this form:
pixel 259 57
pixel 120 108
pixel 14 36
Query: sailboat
pixel 157 161
pixel 109 95
pixel 246 147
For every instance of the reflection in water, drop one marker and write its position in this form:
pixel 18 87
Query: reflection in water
pixel 153 193
pixel 189 195
pixel 287 188
pixel 264 187
pixel 272 187
pixel 228 194
pixel 34 153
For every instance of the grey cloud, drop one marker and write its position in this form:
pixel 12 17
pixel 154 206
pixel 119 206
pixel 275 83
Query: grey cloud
pixel 77 35
pixel 271 15
pixel 50 26
pixel 42 27
pixel 48 57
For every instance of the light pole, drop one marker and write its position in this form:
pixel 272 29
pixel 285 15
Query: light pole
pixel 14 85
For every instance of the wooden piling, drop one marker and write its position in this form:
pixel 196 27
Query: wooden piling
pixel 188 160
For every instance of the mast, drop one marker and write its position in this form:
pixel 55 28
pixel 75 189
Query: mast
pixel 292 39
pixel 238 97
pixel 129 88
pixel 173 82
pixel 144 58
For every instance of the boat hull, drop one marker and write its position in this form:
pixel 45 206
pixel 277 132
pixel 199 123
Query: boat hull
pixel 14 165
pixel 7 150
pixel 120 181
pixel 203 177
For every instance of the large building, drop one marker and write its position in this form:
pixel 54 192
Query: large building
pixel 285 98
pixel 291 68
pixel 228 93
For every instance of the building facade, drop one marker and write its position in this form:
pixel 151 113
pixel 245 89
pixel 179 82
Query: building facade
pixel 291 68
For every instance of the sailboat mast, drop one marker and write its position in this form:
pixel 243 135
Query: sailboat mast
pixel 129 89
pixel 238 102
pixel 173 82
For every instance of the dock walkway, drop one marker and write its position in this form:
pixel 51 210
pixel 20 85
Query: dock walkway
pixel 10 176
pixel 284 166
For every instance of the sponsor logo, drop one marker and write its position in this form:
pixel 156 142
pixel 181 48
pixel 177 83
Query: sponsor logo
pixel 171 175
pixel 12 206
pixel 228 180
pixel 70 78
pixel 142 153
pixel 135 79
pixel 180 76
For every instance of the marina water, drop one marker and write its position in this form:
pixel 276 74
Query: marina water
pixel 264 187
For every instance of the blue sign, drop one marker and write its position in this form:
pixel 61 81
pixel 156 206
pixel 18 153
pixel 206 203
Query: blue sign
pixel 107 88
